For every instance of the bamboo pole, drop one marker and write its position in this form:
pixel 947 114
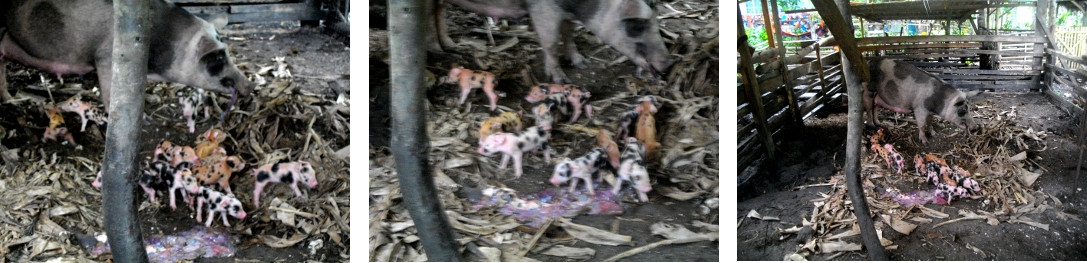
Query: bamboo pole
pixel 767 26
pixel 751 87
pixel 790 97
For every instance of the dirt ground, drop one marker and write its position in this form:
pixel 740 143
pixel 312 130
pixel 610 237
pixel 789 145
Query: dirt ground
pixel 809 162
pixel 603 81
pixel 319 64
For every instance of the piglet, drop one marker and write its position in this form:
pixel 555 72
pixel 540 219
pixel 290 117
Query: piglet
pixel 183 155
pixel 182 180
pixel 632 169
pixel 578 99
pixel 85 110
pixel 191 105
pixel 468 79
pixel 289 173
pixel 164 150
pixel 647 133
pixel 627 119
pixel 581 168
pixel 217 169
pixel 540 91
pixel 56 128
pixel 217 202
pixel 604 140
pixel 544 118
pixel 515 144
pixel 157 176
pixel 505 122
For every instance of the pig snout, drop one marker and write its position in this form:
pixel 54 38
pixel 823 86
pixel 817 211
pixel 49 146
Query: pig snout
pixel 241 214
pixel 556 180
pixel 645 188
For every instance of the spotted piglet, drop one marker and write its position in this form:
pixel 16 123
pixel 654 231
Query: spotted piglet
pixel 217 169
pixel 540 91
pixel 581 168
pixel 515 144
pixel 217 202
pixel 289 173
pixel 578 99
pixel 85 110
pixel 544 118
pixel 632 169
pixel 468 79
pixel 183 155
pixel 627 119
pixel 191 105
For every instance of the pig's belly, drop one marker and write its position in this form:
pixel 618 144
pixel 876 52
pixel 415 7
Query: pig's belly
pixel 11 50
pixel 881 103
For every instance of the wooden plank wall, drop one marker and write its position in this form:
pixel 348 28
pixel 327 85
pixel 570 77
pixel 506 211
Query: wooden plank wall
pixel 813 74
pixel 955 59
pixel 241 11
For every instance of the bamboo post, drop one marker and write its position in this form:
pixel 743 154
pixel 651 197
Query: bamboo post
pixel 751 90
pixel 838 19
pixel 767 26
pixel 784 69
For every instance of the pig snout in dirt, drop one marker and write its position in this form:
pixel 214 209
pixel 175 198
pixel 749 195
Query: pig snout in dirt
pixel 904 88
pixel 182 47
pixel 629 26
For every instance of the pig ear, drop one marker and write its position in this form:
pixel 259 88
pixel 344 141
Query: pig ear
pixel 206 44
pixel 973 93
pixel 218 20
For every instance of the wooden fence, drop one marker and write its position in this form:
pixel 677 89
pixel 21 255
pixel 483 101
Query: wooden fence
pixel 777 90
pixel 240 11
pixel 787 89
pixel 957 59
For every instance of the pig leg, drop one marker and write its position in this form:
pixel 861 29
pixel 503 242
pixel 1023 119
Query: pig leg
pixel 488 88
pixel 547 28
pixel 505 160
pixel 173 205
pixel 256 192
pixel 573 184
pixel 199 208
pixel 576 59
pixel 227 224
pixel 922 119
pixel 297 193
pixel 4 97
pixel 211 215
pixel 443 27
pixel 103 65
pixel 869 106
pixel 589 184
pixel 465 88
pixel 517 163
pixel 642 196
pixel 546 151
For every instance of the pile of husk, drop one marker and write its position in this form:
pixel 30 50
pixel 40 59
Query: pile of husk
pixel 50 207
pixel 996 154
pixel 687 167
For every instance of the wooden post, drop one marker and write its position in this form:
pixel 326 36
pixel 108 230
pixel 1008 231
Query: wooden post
pixel 751 90
pixel 838 19
pixel 983 29
pixel 1040 29
pixel 819 63
pixel 409 141
pixel 784 69
pixel 131 25
pixel 767 25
